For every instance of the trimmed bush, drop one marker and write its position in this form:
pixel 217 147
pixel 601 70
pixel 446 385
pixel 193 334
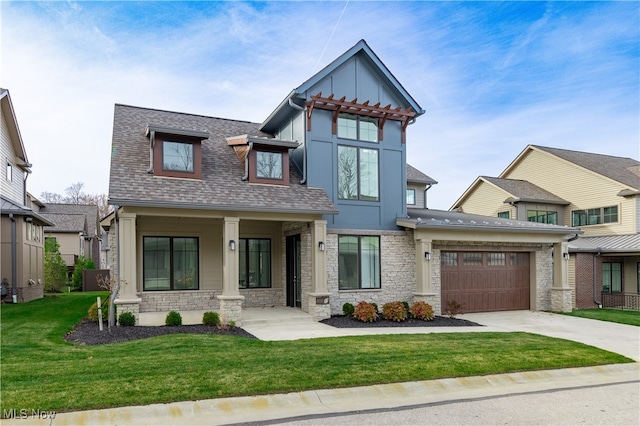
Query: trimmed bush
pixel 211 318
pixel 422 310
pixel 375 306
pixel 394 311
pixel 406 306
pixel 365 312
pixel 92 313
pixel 348 309
pixel 173 318
pixel 126 319
pixel 453 308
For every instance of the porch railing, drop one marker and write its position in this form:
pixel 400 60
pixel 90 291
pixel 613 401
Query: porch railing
pixel 621 300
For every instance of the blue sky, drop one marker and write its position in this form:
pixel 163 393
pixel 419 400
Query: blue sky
pixel 491 76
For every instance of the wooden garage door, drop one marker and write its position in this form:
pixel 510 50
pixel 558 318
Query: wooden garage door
pixel 485 281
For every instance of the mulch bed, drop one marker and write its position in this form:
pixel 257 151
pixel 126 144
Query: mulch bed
pixel 341 321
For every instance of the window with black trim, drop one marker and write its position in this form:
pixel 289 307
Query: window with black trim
pixel 594 216
pixel 357 127
pixel 358 262
pixel 255 263
pixel 611 277
pixel 170 263
pixel 411 197
pixel 358 173
pixel 504 215
pixel 541 216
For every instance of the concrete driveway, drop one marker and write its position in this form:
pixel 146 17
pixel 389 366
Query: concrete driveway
pixel 618 338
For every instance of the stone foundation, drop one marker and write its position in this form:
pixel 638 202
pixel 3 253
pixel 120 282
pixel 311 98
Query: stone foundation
pixel 263 297
pixel 128 305
pixel 319 307
pixel 231 309
pixel 431 298
pixel 165 301
pixel 561 299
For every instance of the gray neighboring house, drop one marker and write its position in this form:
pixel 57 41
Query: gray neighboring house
pixel 418 184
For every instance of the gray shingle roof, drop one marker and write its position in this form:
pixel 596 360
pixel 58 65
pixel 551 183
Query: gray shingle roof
pixel 10 207
pixel 72 217
pixel 523 190
pixel 416 176
pixel 621 169
pixel 221 186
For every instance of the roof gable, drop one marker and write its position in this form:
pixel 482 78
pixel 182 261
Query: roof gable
pixel 416 176
pixel 72 217
pixel 14 131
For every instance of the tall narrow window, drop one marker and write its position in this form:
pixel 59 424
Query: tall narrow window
pixel 170 263
pixel 411 197
pixel 358 173
pixel 358 262
pixel 177 156
pixel 255 263
pixel 612 277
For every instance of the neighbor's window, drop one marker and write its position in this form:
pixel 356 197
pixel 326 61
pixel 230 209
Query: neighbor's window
pixel 357 173
pixel 177 156
pixel 170 263
pixel 411 197
pixel 255 263
pixel 358 262
pixel 269 165
pixel 9 172
pixel 542 216
pixel 594 216
pixel 357 128
pixel 612 277
pixel 504 215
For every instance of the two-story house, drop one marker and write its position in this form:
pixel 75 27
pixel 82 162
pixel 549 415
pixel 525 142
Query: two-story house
pixel 21 227
pixel 598 193
pixel 307 209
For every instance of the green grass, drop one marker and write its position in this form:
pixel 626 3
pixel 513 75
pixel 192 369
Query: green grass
pixel 42 371
pixel 612 315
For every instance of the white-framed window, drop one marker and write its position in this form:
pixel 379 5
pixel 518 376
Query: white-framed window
pixel 411 197
pixel 9 172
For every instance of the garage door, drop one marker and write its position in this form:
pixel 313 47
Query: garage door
pixel 485 281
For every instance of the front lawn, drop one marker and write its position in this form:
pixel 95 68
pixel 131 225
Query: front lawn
pixel 606 314
pixel 42 371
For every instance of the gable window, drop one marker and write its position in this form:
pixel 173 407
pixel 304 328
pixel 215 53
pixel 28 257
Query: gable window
pixel 358 262
pixel 411 197
pixel 9 172
pixel 594 216
pixel 542 217
pixel 177 156
pixel 255 263
pixel 357 173
pixel 170 263
pixel 269 165
pixel 357 128
pixel 504 215
pixel 611 277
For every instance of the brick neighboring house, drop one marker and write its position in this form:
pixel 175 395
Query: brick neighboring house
pixel 307 210
pixel 21 226
pixel 600 194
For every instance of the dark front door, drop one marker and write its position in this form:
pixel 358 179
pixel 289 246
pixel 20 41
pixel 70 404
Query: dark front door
pixel 294 288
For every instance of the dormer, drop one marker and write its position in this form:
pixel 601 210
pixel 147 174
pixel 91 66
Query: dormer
pixel 175 152
pixel 266 160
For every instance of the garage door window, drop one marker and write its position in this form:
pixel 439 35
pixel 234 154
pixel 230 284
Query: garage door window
pixel 472 259
pixel 496 259
pixel 519 259
pixel 450 258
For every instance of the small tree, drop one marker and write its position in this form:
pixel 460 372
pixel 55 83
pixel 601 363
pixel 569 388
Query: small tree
pixel 81 264
pixel 55 270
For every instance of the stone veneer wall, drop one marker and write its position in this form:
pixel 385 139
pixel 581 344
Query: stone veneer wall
pixel 397 274
pixel 164 301
pixel 27 293
pixel 263 297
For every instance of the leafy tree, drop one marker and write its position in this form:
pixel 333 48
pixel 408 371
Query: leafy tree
pixel 81 264
pixel 55 270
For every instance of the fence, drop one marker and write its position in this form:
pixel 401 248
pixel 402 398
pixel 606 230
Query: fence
pixel 621 300
pixel 90 279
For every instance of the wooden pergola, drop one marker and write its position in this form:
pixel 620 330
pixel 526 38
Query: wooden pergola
pixel 341 105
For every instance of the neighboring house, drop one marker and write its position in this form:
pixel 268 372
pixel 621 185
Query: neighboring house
pixel 417 186
pixel 76 231
pixel 308 210
pixel 21 227
pixel 599 194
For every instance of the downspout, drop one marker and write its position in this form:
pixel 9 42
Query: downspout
pixel 304 147
pixel 25 184
pixel 246 162
pixel 152 138
pixel 595 283
pixel 14 261
pixel 428 187
pixel 116 286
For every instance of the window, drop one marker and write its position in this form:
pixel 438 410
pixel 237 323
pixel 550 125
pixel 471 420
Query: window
pixel 594 216
pixel 170 263
pixel 255 263
pixel 357 173
pixel 269 165
pixel 177 156
pixel 449 258
pixel 542 216
pixel 9 172
pixel 411 197
pixel 504 215
pixel 496 259
pixel 519 259
pixel 611 277
pixel 357 128
pixel 358 262
pixel 472 259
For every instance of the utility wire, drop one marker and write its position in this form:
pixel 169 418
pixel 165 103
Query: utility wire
pixel 332 33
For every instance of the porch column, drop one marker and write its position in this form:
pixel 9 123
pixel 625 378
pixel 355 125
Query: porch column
pixel 230 299
pixel 126 269
pixel 424 282
pixel 319 306
pixel 561 292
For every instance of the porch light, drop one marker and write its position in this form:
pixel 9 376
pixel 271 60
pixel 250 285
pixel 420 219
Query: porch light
pixel 427 255
pixel 565 256
pixel 232 245
pixel 321 245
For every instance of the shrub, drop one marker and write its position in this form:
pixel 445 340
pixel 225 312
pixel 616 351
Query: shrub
pixel 81 264
pixel 422 310
pixel 173 318
pixel 55 270
pixel 126 319
pixel 211 318
pixel 394 311
pixel 375 306
pixel 348 309
pixel 92 313
pixel 453 308
pixel 365 312
pixel 406 306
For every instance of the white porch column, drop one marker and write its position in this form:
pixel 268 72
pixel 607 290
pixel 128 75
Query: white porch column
pixel 424 281
pixel 561 292
pixel 319 306
pixel 230 299
pixel 128 300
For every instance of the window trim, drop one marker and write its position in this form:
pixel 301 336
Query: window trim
pixel 358 119
pixel 253 166
pixel 158 163
pixel 504 215
pixel 415 201
pixel 359 196
pixel 547 213
pixel 359 263
pixel 171 268
pixel 245 240
pixel 610 291
pixel 587 213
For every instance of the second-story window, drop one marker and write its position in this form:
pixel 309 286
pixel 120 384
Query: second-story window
pixel 9 172
pixel 269 165
pixel 411 197
pixel 357 128
pixel 542 217
pixel 177 156
pixel 358 173
pixel 594 216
